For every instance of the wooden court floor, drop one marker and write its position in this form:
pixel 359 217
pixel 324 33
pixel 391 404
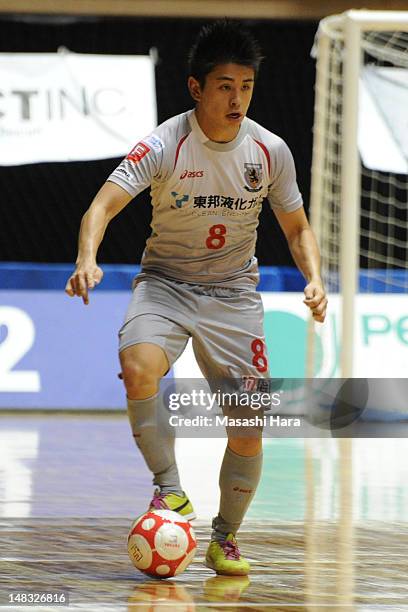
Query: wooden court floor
pixel 294 567
pixel 327 530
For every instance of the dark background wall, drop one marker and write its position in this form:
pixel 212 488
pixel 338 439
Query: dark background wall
pixel 41 204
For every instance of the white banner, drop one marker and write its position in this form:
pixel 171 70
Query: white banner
pixel 70 107
pixel 383 119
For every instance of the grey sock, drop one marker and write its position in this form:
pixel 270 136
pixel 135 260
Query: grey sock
pixel 239 478
pixel 156 447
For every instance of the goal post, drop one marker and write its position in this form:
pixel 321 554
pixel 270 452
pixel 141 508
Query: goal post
pixel 359 202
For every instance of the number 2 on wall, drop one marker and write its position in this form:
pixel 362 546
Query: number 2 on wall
pixel 19 340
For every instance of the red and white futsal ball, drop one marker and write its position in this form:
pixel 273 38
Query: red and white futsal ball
pixel 161 543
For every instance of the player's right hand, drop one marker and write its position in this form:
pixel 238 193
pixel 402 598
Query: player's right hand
pixel 82 280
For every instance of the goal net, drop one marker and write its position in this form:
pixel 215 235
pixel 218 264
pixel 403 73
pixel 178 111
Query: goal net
pixel 359 198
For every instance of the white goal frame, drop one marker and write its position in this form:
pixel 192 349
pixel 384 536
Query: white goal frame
pixel 354 23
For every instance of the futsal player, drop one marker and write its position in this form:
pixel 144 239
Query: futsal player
pixel 209 170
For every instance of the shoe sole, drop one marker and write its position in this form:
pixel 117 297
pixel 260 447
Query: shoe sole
pixel 189 517
pixel 219 573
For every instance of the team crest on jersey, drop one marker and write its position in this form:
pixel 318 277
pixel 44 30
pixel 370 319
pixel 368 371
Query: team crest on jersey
pixel 180 199
pixel 253 177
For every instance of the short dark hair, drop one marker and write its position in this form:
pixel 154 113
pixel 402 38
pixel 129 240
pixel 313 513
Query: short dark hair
pixel 223 42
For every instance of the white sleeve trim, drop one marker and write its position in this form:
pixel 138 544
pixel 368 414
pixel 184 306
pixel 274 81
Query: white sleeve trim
pixel 298 203
pixel 114 179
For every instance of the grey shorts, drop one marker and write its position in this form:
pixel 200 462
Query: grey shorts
pixel 226 325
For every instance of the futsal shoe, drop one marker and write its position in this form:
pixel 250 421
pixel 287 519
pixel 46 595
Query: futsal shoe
pixel 225 558
pixel 176 503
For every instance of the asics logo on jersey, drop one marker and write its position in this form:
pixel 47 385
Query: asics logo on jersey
pixel 192 174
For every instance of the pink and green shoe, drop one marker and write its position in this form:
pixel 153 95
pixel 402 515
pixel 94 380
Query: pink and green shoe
pixel 176 503
pixel 225 558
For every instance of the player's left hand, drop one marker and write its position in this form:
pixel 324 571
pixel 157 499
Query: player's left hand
pixel 316 300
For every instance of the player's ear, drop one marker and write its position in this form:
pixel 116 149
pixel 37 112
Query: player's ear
pixel 194 88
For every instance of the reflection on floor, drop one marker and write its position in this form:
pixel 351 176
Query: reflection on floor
pixel 328 528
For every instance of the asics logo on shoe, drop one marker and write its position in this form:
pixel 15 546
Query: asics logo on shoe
pixel 192 174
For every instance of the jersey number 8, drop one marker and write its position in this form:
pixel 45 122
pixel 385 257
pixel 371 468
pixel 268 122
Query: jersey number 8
pixel 216 235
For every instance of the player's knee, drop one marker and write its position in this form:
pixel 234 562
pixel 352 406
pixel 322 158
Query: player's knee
pixel 139 379
pixel 247 446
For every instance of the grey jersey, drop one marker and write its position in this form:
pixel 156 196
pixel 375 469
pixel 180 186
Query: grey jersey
pixel 206 198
